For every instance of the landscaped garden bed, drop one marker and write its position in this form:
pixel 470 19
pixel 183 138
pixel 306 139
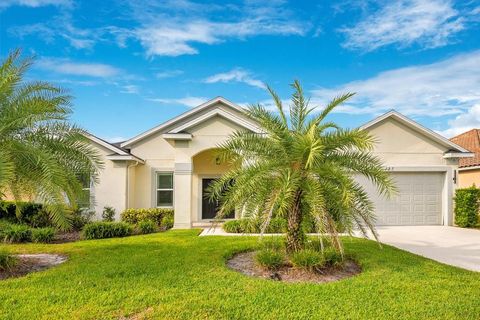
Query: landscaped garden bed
pixel 12 266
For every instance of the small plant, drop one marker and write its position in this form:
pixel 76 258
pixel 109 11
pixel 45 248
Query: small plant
pixel 108 214
pixel 101 230
pixel 277 225
pixel 167 222
pixel 146 226
pixel 273 243
pixel 7 261
pixel 232 226
pixel 17 233
pixel 80 217
pixel 134 216
pixel 333 258
pixel 270 259
pixel 307 259
pixel 43 235
pixel 316 244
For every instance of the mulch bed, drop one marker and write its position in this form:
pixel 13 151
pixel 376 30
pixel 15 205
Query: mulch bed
pixel 28 263
pixel 66 237
pixel 245 263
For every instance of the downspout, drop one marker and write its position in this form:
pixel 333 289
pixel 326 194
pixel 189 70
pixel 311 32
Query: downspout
pixel 127 182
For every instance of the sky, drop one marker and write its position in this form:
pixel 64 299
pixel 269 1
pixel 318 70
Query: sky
pixel 131 65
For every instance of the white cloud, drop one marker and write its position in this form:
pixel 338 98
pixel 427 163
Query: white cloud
pixel 463 122
pixel 447 87
pixel 65 66
pixel 130 89
pixel 35 3
pixel 428 23
pixel 168 74
pixel 236 75
pixel 186 101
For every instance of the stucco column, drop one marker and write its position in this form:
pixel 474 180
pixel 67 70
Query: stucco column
pixel 182 195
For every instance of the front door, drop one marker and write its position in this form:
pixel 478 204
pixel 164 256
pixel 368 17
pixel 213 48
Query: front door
pixel 210 207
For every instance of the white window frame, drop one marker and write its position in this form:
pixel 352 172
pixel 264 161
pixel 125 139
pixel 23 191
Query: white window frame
pixel 157 173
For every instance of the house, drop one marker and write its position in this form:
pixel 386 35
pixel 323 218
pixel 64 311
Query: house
pixel 172 164
pixel 469 168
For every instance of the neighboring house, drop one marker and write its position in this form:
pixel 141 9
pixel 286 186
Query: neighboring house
pixel 172 164
pixel 469 168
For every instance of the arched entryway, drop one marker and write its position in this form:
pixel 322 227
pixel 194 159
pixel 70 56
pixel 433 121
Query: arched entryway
pixel 206 168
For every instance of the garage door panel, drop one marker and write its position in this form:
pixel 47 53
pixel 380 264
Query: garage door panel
pixel 418 202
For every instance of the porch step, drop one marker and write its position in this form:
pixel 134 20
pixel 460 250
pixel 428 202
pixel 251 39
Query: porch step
pixel 206 224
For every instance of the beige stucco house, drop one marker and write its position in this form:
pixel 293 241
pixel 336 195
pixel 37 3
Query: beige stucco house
pixel 172 164
pixel 469 168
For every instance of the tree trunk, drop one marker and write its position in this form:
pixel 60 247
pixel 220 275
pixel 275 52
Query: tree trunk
pixel 295 235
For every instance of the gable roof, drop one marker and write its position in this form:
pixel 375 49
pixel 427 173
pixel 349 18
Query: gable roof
pixel 471 141
pixel 419 128
pixel 119 153
pixel 229 115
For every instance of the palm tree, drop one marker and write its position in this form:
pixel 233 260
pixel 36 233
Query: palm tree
pixel 301 166
pixel 41 153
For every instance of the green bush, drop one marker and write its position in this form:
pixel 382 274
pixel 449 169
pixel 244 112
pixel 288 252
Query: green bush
pixel 167 221
pixel 467 204
pixel 273 243
pixel 134 216
pixel 43 235
pixel 32 214
pixel 270 259
pixel 7 261
pixel 277 225
pixel 80 217
pixel 232 226
pixel 332 258
pixel 101 230
pixel 307 259
pixel 108 214
pixel 146 226
pixel 17 233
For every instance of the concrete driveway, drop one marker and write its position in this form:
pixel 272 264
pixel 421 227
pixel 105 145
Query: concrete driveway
pixel 455 246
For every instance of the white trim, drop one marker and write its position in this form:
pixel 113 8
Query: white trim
pixel 177 136
pixel 415 125
pixel 211 114
pixel 449 155
pixel 115 157
pixel 438 168
pixel 106 144
pixel 181 117
pixel 164 189
pixel 469 168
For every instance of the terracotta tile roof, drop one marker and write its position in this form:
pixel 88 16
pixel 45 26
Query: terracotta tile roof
pixel 470 140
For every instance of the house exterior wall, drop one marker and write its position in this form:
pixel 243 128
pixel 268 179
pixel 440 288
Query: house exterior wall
pixel 111 187
pixel 467 178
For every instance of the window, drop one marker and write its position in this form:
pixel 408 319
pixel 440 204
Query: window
pixel 84 200
pixel 164 189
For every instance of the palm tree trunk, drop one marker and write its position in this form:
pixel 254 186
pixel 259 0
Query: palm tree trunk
pixel 295 235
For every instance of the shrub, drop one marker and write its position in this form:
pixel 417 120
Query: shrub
pixel 315 244
pixel 7 261
pixel 467 203
pixel 17 233
pixel 32 214
pixel 277 225
pixel 101 230
pixel 232 226
pixel 108 214
pixel 273 243
pixel 332 257
pixel 134 216
pixel 80 217
pixel 270 259
pixel 307 259
pixel 167 221
pixel 147 226
pixel 43 235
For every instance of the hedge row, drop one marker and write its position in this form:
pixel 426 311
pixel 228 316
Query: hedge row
pixel 276 225
pixel 163 218
pixel 14 233
pixel 467 205
pixel 29 213
pixel 102 230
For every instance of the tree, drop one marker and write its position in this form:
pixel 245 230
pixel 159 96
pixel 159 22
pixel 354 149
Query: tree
pixel 301 166
pixel 42 155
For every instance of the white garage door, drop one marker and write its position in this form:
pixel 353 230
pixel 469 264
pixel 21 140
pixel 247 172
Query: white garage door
pixel 418 202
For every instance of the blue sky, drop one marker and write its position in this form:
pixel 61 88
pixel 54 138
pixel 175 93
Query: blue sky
pixel 133 64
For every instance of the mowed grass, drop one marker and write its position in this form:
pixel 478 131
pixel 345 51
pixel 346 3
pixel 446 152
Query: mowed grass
pixel 178 275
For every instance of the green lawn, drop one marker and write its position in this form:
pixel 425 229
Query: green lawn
pixel 179 275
